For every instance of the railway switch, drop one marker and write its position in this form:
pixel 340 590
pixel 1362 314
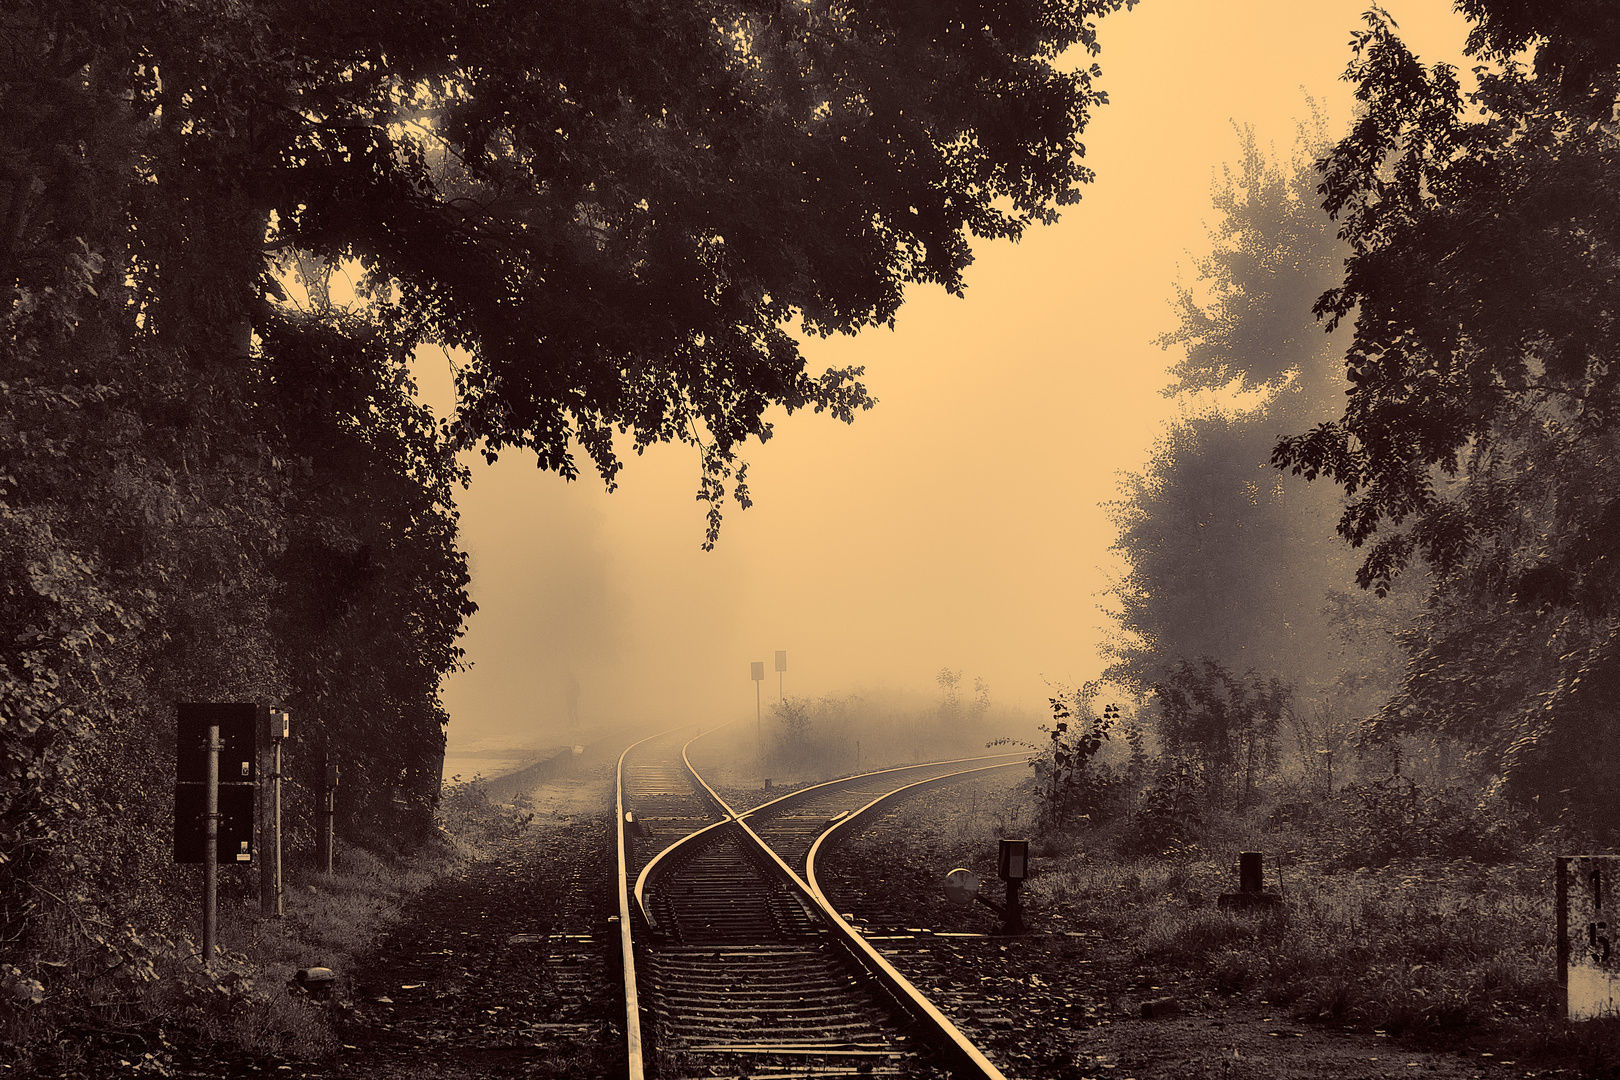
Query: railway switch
pixel 1012 866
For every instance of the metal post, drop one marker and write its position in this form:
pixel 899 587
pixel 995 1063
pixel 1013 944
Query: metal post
pixel 759 723
pixel 1250 874
pixel 273 727
pixel 211 849
pixel 1015 910
pixel 276 909
pixel 323 853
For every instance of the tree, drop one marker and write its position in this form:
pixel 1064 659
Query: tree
pixel 1224 723
pixel 615 226
pixel 1225 558
pixel 1478 432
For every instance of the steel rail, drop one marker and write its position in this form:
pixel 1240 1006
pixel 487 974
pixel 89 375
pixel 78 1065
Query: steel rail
pixel 640 891
pixel 801 793
pixel 635 1064
pixel 692 837
pixel 969 1059
pixel 962 1047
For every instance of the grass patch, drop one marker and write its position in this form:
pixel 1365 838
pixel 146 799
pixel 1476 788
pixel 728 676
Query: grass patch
pixel 1416 942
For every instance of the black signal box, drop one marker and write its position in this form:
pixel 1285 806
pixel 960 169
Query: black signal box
pixel 238 775
pixel 237 722
pixel 235 823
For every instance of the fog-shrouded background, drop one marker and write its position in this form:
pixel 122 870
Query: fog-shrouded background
pixel 957 525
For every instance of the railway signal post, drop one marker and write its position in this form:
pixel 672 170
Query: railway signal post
pixel 213 795
pixel 757 670
pixel 1012 866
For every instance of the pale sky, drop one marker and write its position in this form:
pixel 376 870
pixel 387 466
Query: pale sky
pixel 957 524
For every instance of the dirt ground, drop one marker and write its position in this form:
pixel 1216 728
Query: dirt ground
pixel 507 970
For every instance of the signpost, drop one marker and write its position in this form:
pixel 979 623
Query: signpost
pixel 277 727
pixel 781 666
pixel 757 670
pixel 1012 866
pixel 1588 956
pixel 323 836
pixel 213 795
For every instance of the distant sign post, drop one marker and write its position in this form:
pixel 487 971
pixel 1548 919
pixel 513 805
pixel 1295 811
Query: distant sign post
pixel 1588 952
pixel 757 669
pixel 781 666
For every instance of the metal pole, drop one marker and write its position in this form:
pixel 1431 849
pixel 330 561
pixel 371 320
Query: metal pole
pixel 211 850
pixel 275 810
pixel 328 810
pixel 759 724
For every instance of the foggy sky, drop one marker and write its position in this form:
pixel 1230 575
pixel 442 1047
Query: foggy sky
pixel 957 524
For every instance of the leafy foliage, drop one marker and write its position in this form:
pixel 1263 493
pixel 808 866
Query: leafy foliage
pixel 216 483
pixel 1225 724
pixel 1478 433
pixel 1394 816
pixel 468 814
pixel 1225 557
pixel 1071 783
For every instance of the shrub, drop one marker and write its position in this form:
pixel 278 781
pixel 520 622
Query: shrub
pixel 467 814
pixel 1396 817
pixel 1072 785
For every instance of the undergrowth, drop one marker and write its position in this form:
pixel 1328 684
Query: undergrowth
pixel 110 992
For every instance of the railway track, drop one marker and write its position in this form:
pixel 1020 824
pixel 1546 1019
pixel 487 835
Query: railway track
pixel 735 965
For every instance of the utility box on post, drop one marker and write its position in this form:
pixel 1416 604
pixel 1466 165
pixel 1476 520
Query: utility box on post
pixel 237 776
pixel 1012 861
pixel 1588 952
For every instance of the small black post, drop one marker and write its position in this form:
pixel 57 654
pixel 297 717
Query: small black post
pixel 1014 919
pixel 1250 876
pixel 1012 866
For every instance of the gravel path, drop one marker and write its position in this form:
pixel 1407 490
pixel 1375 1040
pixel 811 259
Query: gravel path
pixel 509 969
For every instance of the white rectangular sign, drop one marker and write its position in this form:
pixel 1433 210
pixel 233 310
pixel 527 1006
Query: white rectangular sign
pixel 1588 953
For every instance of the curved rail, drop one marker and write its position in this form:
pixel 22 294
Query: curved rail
pixel 635 1066
pixel 961 1047
pixel 669 852
pixel 725 878
pixel 968 1059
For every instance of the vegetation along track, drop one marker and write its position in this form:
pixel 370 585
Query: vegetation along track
pixel 739 969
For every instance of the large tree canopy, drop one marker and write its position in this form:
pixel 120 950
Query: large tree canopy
pixel 1479 434
pixel 1227 560
pixel 616 207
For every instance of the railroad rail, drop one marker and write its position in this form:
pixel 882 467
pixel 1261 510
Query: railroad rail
pixel 733 962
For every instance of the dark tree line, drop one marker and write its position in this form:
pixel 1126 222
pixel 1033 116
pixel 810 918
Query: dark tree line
pixel 1474 260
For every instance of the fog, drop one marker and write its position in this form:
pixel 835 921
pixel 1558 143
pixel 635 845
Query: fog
pixel 957 525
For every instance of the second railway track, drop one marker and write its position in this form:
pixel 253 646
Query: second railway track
pixel 739 970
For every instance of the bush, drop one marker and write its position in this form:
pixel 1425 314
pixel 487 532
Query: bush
pixel 1396 817
pixel 1072 786
pixel 468 815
